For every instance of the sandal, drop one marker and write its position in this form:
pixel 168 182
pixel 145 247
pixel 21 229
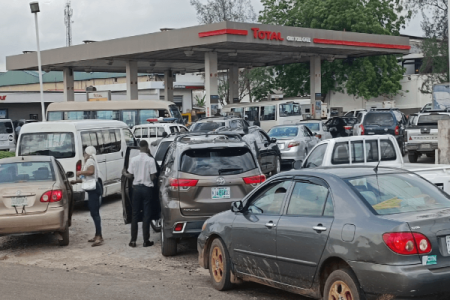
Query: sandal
pixel 91 240
pixel 98 241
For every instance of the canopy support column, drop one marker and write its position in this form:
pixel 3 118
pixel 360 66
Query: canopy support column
pixel 132 81
pixel 69 92
pixel 316 86
pixel 211 83
pixel 233 82
pixel 168 85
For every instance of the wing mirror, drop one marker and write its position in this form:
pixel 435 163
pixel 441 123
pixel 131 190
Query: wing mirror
pixel 273 140
pixel 237 206
pixel 297 165
pixel 325 128
pixel 70 174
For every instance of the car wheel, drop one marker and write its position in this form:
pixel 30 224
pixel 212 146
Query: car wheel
pixel 342 285
pixel 156 225
pixel 412 157
pixel 219 266
pixel 65 237
pixel 168 245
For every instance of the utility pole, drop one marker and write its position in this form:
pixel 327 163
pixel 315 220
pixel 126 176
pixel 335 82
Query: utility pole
pixel 68 12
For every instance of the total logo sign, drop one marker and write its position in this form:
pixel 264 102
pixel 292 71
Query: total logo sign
pixel 267 35
pixel 2 97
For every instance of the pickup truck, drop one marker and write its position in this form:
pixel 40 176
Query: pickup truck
pixel 364 150
pixel 423 137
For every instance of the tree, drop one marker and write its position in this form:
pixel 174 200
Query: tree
pixel 215 11
pixel 362 77
pixel 435 47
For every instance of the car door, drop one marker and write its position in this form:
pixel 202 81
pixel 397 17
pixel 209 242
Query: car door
pixel 254 231
pixel 316 157
pixel 127 184
pixel 303 231
pixel 269 153
pixel 67 185
pixel 113 160
pixel 310 139
pixel 261 149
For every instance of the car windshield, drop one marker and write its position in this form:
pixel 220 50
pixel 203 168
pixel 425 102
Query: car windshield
pixel 214 162
pixel 314 127
pixel 290 110
pixel 207 126
pixel 26 171
pixel 57 144
pixel 431 119
pixel 6 127
pixel 162 149
pixel 283 132
pixel 380 119
pixel 398 193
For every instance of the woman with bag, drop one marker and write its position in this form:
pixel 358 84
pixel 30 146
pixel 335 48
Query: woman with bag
pixel 88 178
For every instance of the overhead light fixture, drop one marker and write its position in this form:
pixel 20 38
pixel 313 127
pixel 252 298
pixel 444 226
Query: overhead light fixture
pixel 232 54
pixel 189 52
pixel 34 6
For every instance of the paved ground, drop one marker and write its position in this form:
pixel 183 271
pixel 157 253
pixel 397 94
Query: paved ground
pixel 35 267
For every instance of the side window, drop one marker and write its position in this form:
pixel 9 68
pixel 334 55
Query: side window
pixel 115 145
pixel 315 159
pixel 101 144
pixel 307 131
pixel 372 151
pixel 264 138
pixel 152 132
pixel 168 160
pixel 173 129
pixel 61 170
pixel 107 142
pixel 144 132
pixel 271 199
pixel 183 129
pixel 233 124
pixel 340 154
pixel 129 138
pixel 160 131
pixel 307 199
pixel 357 152
pixel 329 207
pixel 138 133
pixel 387 150
pixel 89 139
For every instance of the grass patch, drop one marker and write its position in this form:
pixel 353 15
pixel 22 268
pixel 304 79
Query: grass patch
pixel 6 154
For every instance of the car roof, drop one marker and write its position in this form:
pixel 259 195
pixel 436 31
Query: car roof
pixel 214 119
pixel 67 125
pixel 29 158
pixel 345 172
pixel 158 125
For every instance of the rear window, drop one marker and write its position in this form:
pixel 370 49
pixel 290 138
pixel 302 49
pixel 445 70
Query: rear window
pixel 214 162
pixel 6 127
pixel 431 119
pixel 162 149
pixel 314 127
pixel 341 153
pixel 283 132
pixel 207 126
pixel 389 194
pixel 380 119
pixel 26 171
pixel 57 144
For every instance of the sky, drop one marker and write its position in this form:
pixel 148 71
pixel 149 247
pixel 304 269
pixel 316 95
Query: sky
pixel 98 20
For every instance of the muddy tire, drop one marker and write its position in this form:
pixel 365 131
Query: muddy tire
pixel 219 266
pixel 342 284
pixel 65 237
pixel 168 245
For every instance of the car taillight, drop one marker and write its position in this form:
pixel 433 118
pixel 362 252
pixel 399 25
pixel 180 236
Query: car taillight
pixel 348 127
pixel 78 166
pixel 407 243
pixel 397 130
pixel 318 136
pixel 255 179
pixel 52 196
pixel 178 227
pixel 293 144
pixel 362 129
pixel 183 182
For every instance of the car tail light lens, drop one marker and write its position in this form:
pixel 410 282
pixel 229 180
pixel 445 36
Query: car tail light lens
pixel 52 196
pixel 255 179
pixel 183 182
pixel 318 136
pixel 293 144
pixel 178 227
pixel 362 129
pixel 78 166
pixel 348 127
pixel 397 130
pixel 407 243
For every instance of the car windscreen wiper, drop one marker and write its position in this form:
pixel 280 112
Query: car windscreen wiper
pixel 222 171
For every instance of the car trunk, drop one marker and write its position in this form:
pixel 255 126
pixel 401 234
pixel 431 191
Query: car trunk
pixel 283 143
pixel 28 192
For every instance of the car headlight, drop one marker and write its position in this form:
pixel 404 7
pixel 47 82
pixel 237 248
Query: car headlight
pixel 204 226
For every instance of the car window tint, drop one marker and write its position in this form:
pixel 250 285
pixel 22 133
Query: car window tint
pixel 307 199
pixel 152 131
pixel 315 159
pixel 329 207
pixel 271 199
pixel 26 171
pixel 268 113
pixel 313 126
pixel 340 154
pixel 57 144
pixel 307 131
pixel 264 138
pixel 129 138
pixel 89 138
pixel 162 149
pixel 387 150
pixel 379 119
pixel 284 132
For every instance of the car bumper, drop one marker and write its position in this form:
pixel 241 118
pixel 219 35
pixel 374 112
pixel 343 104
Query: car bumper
pixel 191 228
pixel 419 147
pixel 51 220
pixel 291 155
pixel 402 282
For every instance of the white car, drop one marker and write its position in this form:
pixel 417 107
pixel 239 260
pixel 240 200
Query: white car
pixel 319 128
pixel 359 120
pixel 154 131
pixel 354 113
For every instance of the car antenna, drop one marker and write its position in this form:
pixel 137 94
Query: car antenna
pixel 376 168
pixel 379 159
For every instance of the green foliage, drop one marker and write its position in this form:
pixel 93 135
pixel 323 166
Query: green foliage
pixel 6 154
pixel 200 102
pixel 362 77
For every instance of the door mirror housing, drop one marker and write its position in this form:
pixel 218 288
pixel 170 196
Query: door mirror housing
pixel 70 174
pixel 325 128
pixel 237 206
pixel 273 140
pixel 297 165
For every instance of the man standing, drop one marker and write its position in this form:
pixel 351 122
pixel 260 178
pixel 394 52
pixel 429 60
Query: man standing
pixel 143 168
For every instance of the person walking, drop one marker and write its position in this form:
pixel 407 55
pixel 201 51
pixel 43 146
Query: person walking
pixel 143 169
pixel 90 174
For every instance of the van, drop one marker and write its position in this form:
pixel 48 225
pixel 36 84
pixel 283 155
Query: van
pixel 66 141
pixel 152 132
pixel 7 141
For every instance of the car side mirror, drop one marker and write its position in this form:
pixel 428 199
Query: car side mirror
pixel 273 140
pixel 237 206
pixel 164 134
pixel 325 128
pixel 70 174
pixel 297 165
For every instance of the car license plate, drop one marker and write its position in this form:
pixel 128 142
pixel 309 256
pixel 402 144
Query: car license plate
pixel 371 133
pixel 19 201
pixel 281 146
pixel 447 239
pixel 220 193
pixel 425 146
pixel 4 143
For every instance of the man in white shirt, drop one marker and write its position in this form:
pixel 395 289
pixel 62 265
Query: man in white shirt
pixel 143 169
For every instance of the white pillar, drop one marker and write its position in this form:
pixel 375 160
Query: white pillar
pixel 211 81
pixel 316 85
pixel 233 83
pixel 168 86
pixel 132 86
pixel 69 92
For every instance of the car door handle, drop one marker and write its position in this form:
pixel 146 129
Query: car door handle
pixel 270 225
pixel 320 228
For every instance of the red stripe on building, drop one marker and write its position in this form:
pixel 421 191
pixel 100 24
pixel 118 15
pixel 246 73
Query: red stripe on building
pixel 222 32
pixel 361 44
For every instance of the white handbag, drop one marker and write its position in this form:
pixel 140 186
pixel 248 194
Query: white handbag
pixel 89 185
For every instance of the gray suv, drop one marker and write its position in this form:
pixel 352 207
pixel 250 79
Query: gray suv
pixel 201 175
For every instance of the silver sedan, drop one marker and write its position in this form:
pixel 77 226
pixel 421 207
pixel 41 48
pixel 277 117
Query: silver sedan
pixel 317 127
pixel 294 141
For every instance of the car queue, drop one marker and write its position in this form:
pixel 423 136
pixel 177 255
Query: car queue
pixel 334 232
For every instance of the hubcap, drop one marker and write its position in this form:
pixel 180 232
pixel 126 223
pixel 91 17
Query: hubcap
pixel 340 291
pixel 217 264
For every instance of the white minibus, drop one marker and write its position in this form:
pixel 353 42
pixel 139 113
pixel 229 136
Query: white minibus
pixel 66 141
pixel 7 135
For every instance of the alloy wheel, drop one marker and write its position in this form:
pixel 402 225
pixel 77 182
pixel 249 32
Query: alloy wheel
pixel 217 264
pixel 340 291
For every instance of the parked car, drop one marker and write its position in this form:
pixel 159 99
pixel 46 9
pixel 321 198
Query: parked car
pixel 213 123
pixel 359 121
pixel 35 197
pixel 385 122
pixel 335 233
pixel 200 178
pixel 66 141
pixel 152 132
pixel 7 136
pixel 340 126
pixel 319 128
pixel 354 113
pixel 427 107
pixel 294 141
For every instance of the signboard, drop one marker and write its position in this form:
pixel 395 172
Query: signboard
pixel 99 96
pixel 318 109
pixel 236 100
pixel 214 99
pixel 3 113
